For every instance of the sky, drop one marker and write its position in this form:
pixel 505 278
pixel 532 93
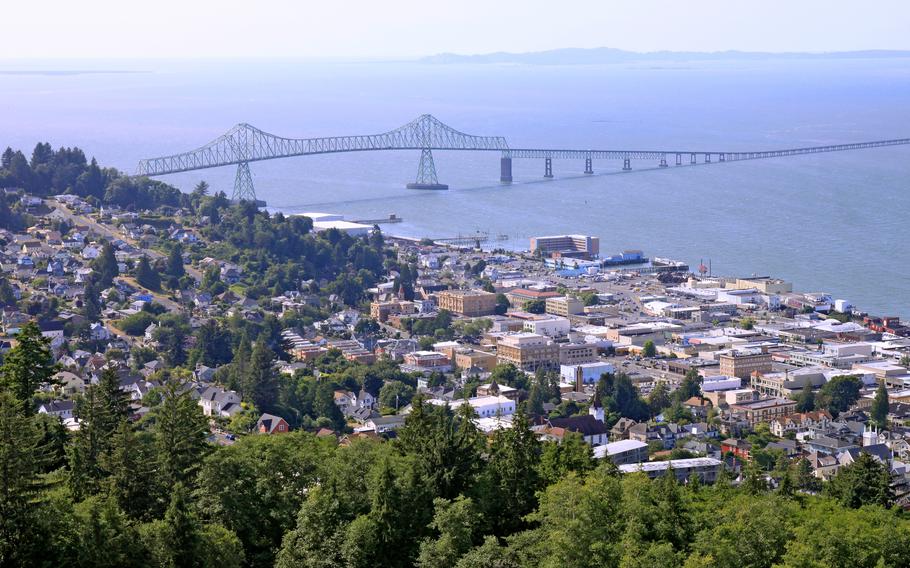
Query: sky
pixel 363 29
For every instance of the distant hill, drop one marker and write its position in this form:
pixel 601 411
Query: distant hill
pixel 600 55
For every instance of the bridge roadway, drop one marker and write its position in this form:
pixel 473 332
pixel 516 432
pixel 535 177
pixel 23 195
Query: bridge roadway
pixel 244 144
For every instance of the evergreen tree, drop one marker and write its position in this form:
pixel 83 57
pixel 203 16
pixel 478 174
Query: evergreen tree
pixel 27 366
pixel 648 349
pixel 91 301
pixel 512 477
pixel 456 522
pixel 132 483
pixel 262 381
pixel 105 266
pixel 806 400
pixel 19 465
pixel 879 411
pixel 317 540
pixel 238 376
pixel 180 433
pixel 864 482
pixel 146 275
pixel 175 262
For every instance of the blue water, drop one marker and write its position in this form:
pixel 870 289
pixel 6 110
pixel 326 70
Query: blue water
pixel 829 222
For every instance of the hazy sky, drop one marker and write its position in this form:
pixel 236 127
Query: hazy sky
pixel 395 28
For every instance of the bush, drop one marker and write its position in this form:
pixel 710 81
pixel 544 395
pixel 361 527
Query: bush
pixel 135 324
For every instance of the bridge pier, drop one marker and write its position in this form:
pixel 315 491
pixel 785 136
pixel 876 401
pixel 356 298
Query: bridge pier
pixel 548 167
pixel 243 184
pixel 589 169
pixel 626 165
pixel 707 158
pixel 678 159
pixel 692 159
pixel 426 173
pixel 663 161
pixel 722 157
pixel 505 170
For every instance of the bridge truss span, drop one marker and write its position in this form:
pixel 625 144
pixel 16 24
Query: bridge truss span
pixel 245 143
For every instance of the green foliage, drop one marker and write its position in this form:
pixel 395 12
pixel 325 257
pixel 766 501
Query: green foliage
pixel 457 522
pixel 135 324
pixel 839 394
pixel 146 275
pixel 648 349
pixel 502 304
pixel 535 306
pixel 864 482
pixel 805 402
pixel 879 410
pixel 395 395
pixel 27 366
pixel 180 433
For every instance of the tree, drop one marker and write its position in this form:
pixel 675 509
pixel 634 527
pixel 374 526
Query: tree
pixel 690 386
pixel 395 394
pixel 573 454
pixel 805 402
pixel 535 306
pixel 866 481
pixel 456 522
pixel 130 465
pixel 747 323
pixel 19 466
pixel 180 433
pixel 317 540
pixel 502 304
pixel 512 476
pixel 146 275
pixel 648 349
pixel 105 266
pixel 879 411
pixel 27 366
pixel 839 394
pixel 262 381
pixel 91 301
pixel 175 262
pixel 659 399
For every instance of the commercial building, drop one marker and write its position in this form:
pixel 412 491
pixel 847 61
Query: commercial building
pixel 763 410
pixel 743 363
pixel 469 303
pixel 484 406
pixel 590 372
pixel 427 361
pixel 707 469
pixel 473 359
pixel 623 452
pixel 519 297
pixel 572 246
pixel 528 351
pixel 564 306
pixel 577 353
pixel 551 326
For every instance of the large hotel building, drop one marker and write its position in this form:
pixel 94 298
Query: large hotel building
pixel 470 303
pixel 573 246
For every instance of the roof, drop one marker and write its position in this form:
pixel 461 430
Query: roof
pixel 585 424
pixel 674 464
pixel 270 422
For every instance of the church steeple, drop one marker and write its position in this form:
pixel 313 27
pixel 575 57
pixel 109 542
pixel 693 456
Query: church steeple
pixel 596 409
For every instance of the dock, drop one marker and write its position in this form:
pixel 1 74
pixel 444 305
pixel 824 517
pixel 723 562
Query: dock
pixel 393 218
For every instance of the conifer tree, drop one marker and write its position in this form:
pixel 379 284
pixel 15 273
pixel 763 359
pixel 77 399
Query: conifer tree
pixel 27 366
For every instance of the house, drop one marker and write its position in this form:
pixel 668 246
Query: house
pixel 216 401
pixel 592 430
pixel 620 430
pixel 383 424
pixel 98 332
pixel 665 433
pixel 800 422
pixel 739 448
pixel 62 409
pixel 271 424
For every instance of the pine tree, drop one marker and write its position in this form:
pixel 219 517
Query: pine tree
pixel 262 378
pixel 240 367
pixel 879 411
pixel 146 275
pixel 91 301
pixel 130 465
pixel 806 400
pixel 105 266
pixel 180 433
pixel 27 366
pixel 512 475
pixel 175 261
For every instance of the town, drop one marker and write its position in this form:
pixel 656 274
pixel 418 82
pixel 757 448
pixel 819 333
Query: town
pixel 200 313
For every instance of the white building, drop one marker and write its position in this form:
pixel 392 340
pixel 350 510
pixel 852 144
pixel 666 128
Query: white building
pixel 548 326
pixel 484 406
pixel 590 372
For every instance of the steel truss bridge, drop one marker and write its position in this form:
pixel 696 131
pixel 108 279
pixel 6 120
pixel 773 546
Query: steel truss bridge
pixel 244 144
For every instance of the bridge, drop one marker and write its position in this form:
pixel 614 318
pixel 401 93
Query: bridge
pixel 244 144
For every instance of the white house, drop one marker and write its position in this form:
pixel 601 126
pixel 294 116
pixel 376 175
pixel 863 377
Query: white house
pixel 484 406
pixel 216 401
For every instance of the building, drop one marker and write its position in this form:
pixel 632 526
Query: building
pixel 469 303
pixel 216 401
pixel 590 372
pixel 572 246
pixel 427 361
pixel 800 422
pixel 707 469
pixel 520 297
pixel 473 359
pixel 495 389
pixel 577 353
pixel 271 424
pixel 594 432
pixel 743 363
pixel 739 448
pixel 763 410
pixel 484 406
pixel 623 452
pixel 528 351
pixel 564 306
pixel 551 326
